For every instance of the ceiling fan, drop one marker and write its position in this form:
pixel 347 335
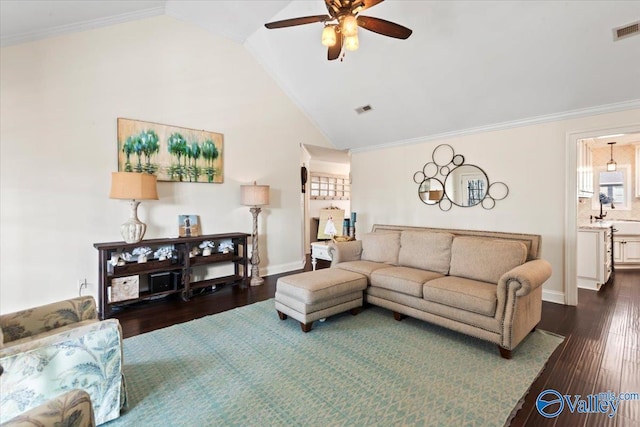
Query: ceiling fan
pixel 342 22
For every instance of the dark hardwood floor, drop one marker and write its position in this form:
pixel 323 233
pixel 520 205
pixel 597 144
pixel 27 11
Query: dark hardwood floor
pixel 601 351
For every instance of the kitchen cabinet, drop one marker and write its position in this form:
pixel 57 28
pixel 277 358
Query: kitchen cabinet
pixel 626 251
pixel 594 257
pixel 585 170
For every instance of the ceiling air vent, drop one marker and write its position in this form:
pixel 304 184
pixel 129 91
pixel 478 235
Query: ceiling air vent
pixel 626 31
pixel 364 109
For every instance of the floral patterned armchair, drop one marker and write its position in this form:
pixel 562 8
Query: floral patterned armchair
pixel 49 350
pixel 72 409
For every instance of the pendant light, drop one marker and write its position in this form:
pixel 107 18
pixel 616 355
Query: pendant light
pixel 611 164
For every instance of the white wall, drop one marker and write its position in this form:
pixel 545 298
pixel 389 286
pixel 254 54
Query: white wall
pixel 531 160
pixel 60 98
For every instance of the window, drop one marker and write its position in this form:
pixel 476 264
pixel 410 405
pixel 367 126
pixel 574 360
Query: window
pixel 612 186
pixel 615 186
pixel 329 187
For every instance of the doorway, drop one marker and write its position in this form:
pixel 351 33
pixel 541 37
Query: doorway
pixel 575 217
pixel 326 182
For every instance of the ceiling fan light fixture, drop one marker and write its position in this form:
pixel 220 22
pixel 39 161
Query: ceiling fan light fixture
pixel 351 43
pixel 329 36
pixel 349 26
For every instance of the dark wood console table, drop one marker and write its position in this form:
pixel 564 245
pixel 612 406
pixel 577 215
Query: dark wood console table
pixel 177 270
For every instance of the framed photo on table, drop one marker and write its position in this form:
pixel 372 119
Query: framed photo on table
pixel 330 223
pixel 189 226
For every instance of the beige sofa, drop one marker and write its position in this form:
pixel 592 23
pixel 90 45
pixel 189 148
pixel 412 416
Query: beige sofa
pixel 484 284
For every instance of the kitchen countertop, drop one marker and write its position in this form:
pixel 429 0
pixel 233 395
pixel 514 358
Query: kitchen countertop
pixel 596 225
pixel 628 227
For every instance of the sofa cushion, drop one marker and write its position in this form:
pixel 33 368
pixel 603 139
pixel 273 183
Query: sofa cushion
pixel 485 259
pixel 381 247
pixel 320 285
pixel 402 279
pixel 470 295
pixel 427 250
pixel 362 267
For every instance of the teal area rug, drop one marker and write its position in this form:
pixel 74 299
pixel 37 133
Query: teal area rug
pixel 246 367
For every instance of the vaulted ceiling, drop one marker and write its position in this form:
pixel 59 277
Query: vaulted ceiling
pixel 468 66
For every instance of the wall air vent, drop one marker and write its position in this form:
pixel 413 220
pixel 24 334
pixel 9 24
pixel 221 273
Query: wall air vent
pixel 626 31
pixel 364 109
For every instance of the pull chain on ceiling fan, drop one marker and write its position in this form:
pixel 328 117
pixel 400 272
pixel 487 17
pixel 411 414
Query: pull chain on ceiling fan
pixel 341 25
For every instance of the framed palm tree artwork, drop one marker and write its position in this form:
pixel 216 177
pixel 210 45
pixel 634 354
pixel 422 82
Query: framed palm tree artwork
pixel 172 153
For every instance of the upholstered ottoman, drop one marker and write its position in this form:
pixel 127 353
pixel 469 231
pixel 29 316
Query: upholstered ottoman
pixel 318 294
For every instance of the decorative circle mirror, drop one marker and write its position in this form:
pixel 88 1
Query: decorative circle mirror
pixel 430 170
pixel 488 203
pixel 431 191
pixel 498 190
pixel 443 155
pixel 448 181
pixel 458 159
pixel 445 204
pixel 466 185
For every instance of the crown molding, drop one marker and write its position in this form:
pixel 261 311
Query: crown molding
pixel 80 26
pixel 566 115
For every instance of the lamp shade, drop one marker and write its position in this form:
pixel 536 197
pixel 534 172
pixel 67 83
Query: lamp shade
pixel 133 186
pixel 254 195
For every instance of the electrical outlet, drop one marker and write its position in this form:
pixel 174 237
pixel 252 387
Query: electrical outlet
pixel 82 284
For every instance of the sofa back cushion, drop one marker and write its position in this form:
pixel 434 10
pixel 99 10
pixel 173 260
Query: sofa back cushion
pixel 485 259
pixel 381 247
pixel 426 250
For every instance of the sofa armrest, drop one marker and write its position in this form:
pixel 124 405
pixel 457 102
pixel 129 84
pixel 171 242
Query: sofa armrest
pixel 72 408
pixel 85 355
pixel 525 278
pixel 520 300
pixel 34 321
pixel 344 251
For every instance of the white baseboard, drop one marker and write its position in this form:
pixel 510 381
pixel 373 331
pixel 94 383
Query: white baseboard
pixel 281 268
pixel 553 296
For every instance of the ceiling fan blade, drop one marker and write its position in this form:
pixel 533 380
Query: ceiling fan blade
pixel 370 3
pixel 383 27
pixel 297 21
pixel 334 51
pixel 332 8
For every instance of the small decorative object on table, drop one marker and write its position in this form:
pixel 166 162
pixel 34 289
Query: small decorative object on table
pixel 188 226
pixel 195 251
pixel 225 246
pixel 352 226
pixel 163 253
pixel 207 247
pixel 327 224
pixel 115 258
pixel 142 253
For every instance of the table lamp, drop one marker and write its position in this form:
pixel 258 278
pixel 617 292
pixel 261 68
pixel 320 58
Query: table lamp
pixel 255 196
pixel 135 187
